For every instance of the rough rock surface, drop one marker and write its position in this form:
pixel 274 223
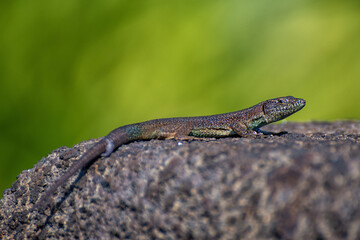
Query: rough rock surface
pixel 303 184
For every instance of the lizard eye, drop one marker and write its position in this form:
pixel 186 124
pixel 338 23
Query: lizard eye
pixel 283 100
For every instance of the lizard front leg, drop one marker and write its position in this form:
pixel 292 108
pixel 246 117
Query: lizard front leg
pixel 242 130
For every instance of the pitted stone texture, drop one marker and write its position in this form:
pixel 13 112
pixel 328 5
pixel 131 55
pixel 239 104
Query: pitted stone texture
pixel 304 184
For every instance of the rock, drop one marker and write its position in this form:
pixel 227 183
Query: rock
pixel 303 184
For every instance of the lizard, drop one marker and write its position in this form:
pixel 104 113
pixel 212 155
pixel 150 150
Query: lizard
pixel 243 123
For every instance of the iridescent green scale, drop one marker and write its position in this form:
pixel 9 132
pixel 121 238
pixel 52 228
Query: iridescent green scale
pixel 212 132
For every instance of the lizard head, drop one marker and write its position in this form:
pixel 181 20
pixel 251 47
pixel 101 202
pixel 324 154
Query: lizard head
pixel 280 108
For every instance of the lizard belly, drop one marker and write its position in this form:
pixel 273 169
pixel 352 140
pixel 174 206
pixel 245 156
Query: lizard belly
pixel 211 132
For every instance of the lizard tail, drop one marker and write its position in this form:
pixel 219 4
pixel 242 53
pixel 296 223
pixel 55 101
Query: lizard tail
pixel 104 147
pixel 88 156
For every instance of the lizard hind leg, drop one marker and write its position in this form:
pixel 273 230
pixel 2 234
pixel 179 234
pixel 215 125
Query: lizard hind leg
pixel 183 133
pixel 185 136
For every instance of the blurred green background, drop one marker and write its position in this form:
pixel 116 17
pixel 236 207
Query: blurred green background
pixel 74 70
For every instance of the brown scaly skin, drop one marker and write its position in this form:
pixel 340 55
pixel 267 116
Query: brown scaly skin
pixel 243 123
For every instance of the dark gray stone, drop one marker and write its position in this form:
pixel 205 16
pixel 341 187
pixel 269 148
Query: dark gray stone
pixel 304 184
